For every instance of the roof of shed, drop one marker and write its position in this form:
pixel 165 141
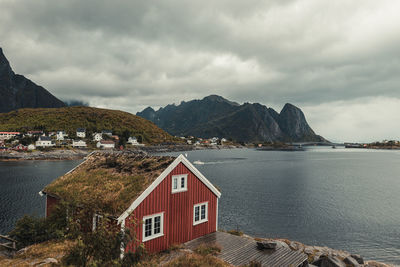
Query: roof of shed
pixel 109 181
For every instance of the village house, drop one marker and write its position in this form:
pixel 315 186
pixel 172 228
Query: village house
pixel 164 200
pixel 97 137
pixel 61 135
pixel 132 140
pixel 81 133
pixel 8 135
pixel 79 143
pixel 20 147
pixel 44 141
pixel 105 144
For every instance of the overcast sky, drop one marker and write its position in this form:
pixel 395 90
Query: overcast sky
pixel 339 61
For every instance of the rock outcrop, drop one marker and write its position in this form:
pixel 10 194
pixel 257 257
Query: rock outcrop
pixel 17 92
pixel 217 116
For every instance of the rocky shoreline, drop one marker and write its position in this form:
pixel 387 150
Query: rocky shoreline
pixel 325 256
pixel 44 155
pixel 75 154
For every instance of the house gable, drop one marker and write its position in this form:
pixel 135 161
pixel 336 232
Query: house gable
pixel 177 210
pixel 163 175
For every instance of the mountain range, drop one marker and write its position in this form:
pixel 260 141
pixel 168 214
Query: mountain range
pixel 17 92
pixel 217 116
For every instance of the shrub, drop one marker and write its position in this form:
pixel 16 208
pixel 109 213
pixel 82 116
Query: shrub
pixel 195 260
pixel 210 249
pixel 29 230
pixel 101 247
pixel 131 259
pixel 235 232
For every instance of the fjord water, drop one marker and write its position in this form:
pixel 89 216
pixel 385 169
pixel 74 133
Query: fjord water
pixel 20 183
pixel 342 198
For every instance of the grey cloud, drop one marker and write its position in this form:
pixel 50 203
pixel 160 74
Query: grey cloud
pixel 131 54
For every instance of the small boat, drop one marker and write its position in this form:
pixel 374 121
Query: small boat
pixel 198 162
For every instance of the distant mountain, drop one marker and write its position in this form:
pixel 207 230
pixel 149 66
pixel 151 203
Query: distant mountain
pixel 92 119
pixel 16 91
pixel 217 116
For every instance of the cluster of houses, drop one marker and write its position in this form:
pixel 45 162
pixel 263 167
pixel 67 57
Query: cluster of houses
pixel 103 140
pixel 214 141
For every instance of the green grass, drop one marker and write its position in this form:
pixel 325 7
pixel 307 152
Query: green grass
pixel 93 119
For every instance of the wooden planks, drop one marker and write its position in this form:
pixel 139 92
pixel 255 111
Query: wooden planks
pixel 10 244
pixel 238 250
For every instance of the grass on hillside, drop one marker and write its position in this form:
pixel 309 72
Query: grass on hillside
pixel 93 119
pixel 38 253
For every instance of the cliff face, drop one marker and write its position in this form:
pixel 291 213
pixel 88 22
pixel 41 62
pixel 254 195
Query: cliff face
pixel 17 92
pixel 217 116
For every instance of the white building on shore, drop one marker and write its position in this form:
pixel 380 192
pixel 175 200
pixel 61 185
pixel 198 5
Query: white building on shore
pixel 103 144
pixel 44 141
pixel 78 143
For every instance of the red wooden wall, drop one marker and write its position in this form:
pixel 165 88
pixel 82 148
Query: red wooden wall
pixel 51 202
pixel 178 212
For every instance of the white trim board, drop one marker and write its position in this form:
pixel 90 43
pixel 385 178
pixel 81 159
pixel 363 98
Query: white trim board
pixel 179 159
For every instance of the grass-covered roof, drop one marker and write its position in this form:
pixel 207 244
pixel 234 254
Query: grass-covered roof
pixel 109 181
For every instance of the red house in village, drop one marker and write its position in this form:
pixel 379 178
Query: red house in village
pixel 165 200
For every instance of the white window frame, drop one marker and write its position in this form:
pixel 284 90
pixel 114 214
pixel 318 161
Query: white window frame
pixel 194 213
pixel 96 217
pixel 152 236
pixel 179 178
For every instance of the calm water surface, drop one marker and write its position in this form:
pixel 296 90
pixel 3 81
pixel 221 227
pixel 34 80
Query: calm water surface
pixel 20 183
pixel 341 198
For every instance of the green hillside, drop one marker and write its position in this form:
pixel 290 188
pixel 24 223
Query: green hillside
pixel 71 118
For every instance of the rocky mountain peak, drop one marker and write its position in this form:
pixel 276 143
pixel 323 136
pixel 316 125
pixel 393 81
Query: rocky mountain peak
pixel 16 91
pixel 217 98
pixel 217 116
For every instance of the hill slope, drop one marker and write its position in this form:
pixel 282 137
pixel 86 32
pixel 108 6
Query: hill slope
pixel 217 116
pixel 71 118
pixel 16 91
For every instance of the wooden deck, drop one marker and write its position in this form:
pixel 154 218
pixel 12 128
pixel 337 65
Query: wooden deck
pixel 238 250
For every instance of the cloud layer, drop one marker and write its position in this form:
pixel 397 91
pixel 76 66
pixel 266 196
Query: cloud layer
pixel 334 58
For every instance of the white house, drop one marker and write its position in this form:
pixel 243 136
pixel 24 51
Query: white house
pixel 44 141
pixel 97 137
pixel 8 135
pixel 81 132
pixel 132 140
pixel 103 144
pixel 79 143
pixel 61 135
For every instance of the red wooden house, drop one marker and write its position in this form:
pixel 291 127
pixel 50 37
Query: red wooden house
pixel 172 201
